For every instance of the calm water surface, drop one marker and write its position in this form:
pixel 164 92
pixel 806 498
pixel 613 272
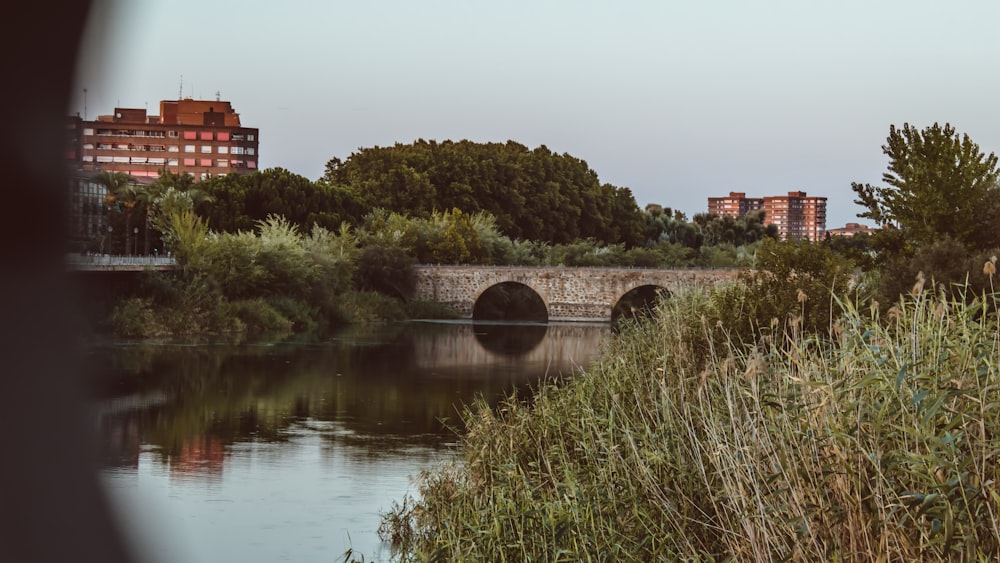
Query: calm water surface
pixel 290 450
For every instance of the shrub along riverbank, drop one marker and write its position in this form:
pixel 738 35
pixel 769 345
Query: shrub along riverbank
pixel 879 441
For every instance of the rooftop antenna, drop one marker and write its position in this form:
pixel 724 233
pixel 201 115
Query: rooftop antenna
pixel 180 89
pixel 85 104
pixel 217 94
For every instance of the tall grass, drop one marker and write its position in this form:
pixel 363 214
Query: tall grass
pixel 879 442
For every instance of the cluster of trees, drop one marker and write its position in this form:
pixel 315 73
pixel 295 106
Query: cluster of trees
pixel 534 194
pixel 938 214
pixel 938 210
pixel 493 203
pixel 471 203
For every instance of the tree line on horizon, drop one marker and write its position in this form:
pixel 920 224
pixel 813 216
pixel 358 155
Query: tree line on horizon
pixel 503 203
pixel 534 196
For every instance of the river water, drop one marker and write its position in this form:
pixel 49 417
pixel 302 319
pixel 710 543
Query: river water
pixel 291 449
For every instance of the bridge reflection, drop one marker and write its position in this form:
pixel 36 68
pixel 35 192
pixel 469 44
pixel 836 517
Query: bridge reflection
pixel 486 343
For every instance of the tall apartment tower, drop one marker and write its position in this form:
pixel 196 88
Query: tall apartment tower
pixel 737 204
pixel 200 137
pixel 797 215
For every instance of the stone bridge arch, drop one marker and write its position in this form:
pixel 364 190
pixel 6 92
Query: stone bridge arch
pixel 569 294
pixel 481 292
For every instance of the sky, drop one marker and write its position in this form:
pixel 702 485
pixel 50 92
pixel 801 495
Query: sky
pixel 676 100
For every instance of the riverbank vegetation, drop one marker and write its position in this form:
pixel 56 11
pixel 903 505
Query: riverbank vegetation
pixel 815 409
pixel 685 443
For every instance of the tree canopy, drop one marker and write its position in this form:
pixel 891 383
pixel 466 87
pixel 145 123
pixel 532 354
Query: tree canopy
pixel 939 184
pixel 240 202
pixel 534 194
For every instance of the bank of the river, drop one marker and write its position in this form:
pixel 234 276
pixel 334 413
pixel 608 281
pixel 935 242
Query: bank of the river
pixel 157 305
pixel 878 442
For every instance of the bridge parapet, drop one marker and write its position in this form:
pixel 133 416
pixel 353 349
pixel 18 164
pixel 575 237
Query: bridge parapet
pixel 115 263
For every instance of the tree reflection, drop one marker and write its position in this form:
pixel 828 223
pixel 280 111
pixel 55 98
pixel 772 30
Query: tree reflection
pixel 381 387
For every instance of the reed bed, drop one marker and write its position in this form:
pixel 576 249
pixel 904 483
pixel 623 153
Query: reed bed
pixel 879 442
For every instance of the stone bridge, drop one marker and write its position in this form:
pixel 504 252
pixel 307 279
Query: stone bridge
pixel 569 294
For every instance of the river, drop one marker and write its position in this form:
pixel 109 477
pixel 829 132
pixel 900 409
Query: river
pixel 290 449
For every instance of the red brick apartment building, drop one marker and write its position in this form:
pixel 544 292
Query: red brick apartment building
pixel 736 204
pixel 796 215
pixel 201 137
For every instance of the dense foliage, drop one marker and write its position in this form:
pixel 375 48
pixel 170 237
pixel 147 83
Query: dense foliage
pixel 938 210
pixel 940 184
pixel 534 194
pixel 238 202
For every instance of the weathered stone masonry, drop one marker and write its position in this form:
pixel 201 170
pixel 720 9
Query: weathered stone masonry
pixel 569 294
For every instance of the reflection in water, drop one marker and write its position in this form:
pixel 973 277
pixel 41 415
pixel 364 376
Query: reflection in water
pixel 509 339
pixel 290 449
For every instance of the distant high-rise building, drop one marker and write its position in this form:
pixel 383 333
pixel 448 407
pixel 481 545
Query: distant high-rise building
pixel 737 204
pixel 200 137
pixel 796 215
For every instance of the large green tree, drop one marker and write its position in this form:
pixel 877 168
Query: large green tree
pixel 124 194
pixel 241 202
pixel 939 184
pixel 533 194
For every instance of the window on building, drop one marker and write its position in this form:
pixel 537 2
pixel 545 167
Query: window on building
pixel 206 148
pixel 171 162
pixel 188 162
pixel 173 148
pixel 205 162
pixel 250 136
pixel 251 164
pixel 172 134
pixel 223 150
pixel 206 135
pixel 236 150
pixel 222 163
pixel 222 136
pixel 188 148
pixel 88 131
pixel 190 135
pixel 249 150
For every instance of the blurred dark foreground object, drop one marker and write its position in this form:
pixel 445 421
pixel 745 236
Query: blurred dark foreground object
pixel 53 507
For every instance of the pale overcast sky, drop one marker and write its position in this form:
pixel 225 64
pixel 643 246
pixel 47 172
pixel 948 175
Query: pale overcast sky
pixel 678 101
